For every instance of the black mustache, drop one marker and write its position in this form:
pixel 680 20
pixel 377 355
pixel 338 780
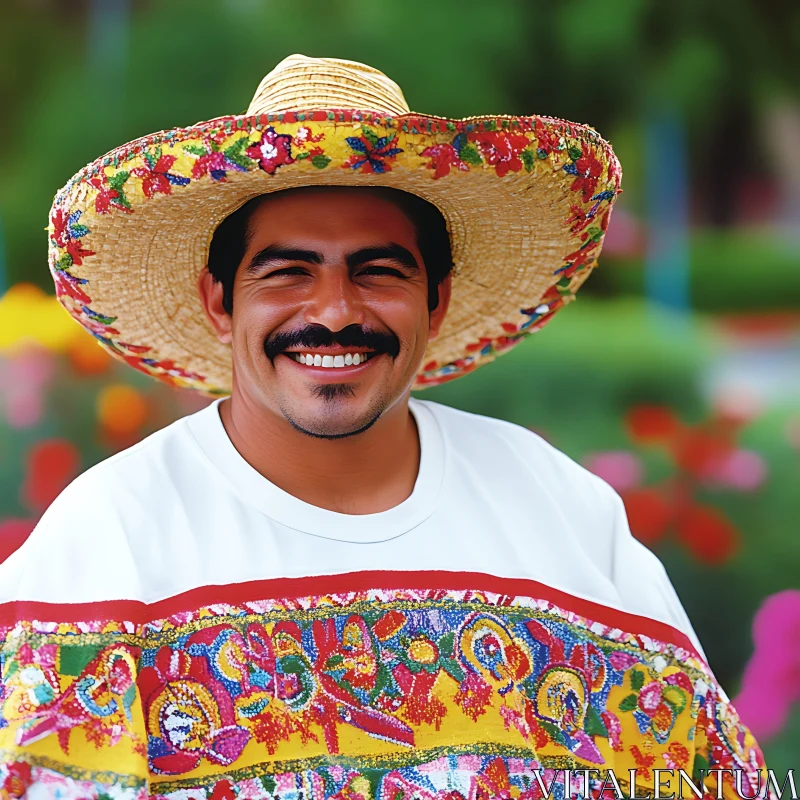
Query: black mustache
pixel 319 336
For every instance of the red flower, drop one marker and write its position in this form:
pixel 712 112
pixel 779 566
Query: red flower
pixel 588 170
pixel 442 157
pixel 110 193
pixel 223 790
pixel 18 779
pixel 389 624
pixel 156 175
pixel 51 465
pixel 273 150
pixel 649 513
pixel 67 231
pixel 548 140
pixel 652 424
pixel 708 534
pixel 501 150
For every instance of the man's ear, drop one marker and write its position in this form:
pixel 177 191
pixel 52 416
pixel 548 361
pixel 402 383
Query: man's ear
pixel 210 292
pixel 438 314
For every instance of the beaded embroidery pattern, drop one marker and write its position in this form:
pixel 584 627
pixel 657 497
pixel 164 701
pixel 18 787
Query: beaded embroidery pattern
pixel 376 693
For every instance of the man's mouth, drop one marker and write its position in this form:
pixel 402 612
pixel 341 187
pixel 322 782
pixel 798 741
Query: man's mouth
pixel 337 361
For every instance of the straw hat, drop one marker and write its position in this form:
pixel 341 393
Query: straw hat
pixel 526 201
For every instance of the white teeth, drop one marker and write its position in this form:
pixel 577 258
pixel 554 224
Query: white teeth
pixel 347 360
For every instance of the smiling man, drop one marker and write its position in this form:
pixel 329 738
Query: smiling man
pixel 319 587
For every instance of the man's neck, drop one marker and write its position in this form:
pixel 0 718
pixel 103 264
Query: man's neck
pixel 366 473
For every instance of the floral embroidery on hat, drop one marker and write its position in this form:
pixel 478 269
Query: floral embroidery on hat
pixel 273 150
pixel 373 153
pixel 156 175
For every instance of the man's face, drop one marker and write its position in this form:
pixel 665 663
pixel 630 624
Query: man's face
pixel 330 309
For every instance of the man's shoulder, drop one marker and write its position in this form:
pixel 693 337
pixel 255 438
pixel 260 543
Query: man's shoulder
pixel 490 442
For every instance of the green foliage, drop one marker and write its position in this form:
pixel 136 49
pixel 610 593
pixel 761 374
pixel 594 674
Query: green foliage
pixel 730 270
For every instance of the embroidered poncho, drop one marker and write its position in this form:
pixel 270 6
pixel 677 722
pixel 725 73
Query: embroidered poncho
pixel 178 627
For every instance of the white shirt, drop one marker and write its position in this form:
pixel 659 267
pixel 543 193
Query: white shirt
pixel 182 509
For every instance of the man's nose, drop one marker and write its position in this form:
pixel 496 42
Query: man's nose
pixel 335 301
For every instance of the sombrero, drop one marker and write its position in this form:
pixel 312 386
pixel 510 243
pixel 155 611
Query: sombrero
pixel 526 200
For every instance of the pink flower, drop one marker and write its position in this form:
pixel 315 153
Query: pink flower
pixel 771 681
pixel 621 469
pixel 650 698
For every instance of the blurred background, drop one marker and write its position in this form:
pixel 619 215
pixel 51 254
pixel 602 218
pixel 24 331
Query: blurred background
pixel 675 375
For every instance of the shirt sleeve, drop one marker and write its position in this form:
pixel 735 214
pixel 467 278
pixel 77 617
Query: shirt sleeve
pixel 642 581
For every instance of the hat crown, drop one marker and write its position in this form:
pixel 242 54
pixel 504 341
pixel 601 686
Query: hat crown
pixel 300 83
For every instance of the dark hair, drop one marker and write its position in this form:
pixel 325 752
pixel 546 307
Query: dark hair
pixel 231 238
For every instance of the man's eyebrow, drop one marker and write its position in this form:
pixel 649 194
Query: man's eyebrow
pixel 275 253
pixel 387 252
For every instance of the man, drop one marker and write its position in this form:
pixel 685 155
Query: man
pixel 320 587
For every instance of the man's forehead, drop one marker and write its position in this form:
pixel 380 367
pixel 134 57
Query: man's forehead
pixel 329 211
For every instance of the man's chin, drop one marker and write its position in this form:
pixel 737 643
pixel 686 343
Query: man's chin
pixel 333 427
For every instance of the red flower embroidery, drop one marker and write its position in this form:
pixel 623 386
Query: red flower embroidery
pixel 273 150
pixel 156 176
pixel 18 780
pixel 223 790
pixel 548 140
pixel 501 150
pixel 110 193
pixel 588 170
pixel 442 157
pixel 67 232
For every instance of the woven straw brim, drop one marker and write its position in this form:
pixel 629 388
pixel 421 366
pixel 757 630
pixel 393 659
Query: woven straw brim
pixel 526 201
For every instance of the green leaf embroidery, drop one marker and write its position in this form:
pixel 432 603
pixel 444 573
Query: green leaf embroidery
pixel 629 703
pixel 118 181
pixel 555 733
pixel 320 162
pixel 593 724
pixel 575 153
pixel 446 644
pixel 301 156
pixel 152 158
pixel 235 153
pixel 469 154
pixel 453 669
pixel 595 234
pixel 370 135
pixel 675 698
pixel 637 679
pixel 194 149
pixel 528 159
pixel 74 658
pixel 700 763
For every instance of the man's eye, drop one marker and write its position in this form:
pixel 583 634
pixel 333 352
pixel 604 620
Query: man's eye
pixel 287 271
pixel 375 270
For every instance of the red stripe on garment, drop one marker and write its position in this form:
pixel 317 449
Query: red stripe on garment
pixel 236 594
